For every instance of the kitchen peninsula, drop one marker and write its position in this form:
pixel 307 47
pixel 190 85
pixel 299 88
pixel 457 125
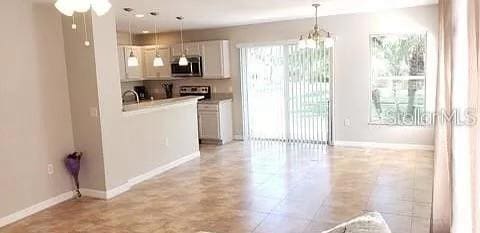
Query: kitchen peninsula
pixel 156 105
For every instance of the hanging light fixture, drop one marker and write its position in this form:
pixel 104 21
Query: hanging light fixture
pixel 183 59
pixel 313 37
pixel 132 59
pixel 74 25
pixel 68 7
pixel 86 41
pixel 101 7
pixel 157 61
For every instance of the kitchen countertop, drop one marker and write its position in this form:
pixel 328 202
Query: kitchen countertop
pixel 216 98
pixel 154 105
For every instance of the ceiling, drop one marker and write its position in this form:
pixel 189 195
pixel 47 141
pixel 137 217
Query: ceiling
pixel 201 14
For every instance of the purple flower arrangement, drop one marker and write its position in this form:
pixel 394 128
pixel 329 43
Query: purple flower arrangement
pixel 72 162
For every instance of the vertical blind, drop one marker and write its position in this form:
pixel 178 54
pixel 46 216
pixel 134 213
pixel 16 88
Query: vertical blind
pixel 286 93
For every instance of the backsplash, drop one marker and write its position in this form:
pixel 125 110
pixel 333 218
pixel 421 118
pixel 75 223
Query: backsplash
pixel 155 88
pixel 129 86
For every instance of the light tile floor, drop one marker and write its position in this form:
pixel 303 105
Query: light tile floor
pixel 263 188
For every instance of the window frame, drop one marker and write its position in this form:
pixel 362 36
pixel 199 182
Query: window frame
pixel 372 78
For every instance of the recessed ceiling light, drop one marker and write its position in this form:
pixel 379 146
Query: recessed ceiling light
pixel 145 31
pixel 139 15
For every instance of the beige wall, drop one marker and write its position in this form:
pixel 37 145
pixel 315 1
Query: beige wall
pixel 352 74
pixel 136 144
pixel 84 103
pixel 123 146
pixel 34 106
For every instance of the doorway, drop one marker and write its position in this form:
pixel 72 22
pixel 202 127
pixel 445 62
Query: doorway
pixel 287 93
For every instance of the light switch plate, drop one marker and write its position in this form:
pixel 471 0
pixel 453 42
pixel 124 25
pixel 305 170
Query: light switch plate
pixel 346 122
pixel 50 170
pixel 93 112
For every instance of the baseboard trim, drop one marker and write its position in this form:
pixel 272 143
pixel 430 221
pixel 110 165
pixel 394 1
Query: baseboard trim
pixel 162 169
pixel 384 145
pixel 111 193
pixel 238 137
pixel 35 208
pixel 93 193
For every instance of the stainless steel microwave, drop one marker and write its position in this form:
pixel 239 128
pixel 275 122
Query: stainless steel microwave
pixel 193 69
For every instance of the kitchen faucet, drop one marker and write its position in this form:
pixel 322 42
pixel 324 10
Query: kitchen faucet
pixel 137 99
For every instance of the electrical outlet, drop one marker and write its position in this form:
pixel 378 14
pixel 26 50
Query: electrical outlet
pixel 166 142
pixel 346 122
pixel 50 170
pixel 214 89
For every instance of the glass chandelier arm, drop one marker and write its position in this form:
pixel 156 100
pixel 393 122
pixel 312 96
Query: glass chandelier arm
pixel 86 42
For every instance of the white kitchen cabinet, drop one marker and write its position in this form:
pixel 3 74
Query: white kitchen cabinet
pixel 152 72
pixel 209 125
pixel 176 50
pixel 215 122
pixel 216 59
pixel 133 72
pixel 121 63
pixel 191 49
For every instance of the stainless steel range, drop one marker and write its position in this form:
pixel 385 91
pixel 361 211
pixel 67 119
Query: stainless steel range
pixel 204 91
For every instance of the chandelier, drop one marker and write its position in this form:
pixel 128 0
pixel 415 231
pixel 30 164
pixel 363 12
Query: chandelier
pixel 312 38
pixel 69 7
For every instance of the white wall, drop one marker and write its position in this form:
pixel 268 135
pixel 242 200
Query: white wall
pixel 352 74
pixel 36 124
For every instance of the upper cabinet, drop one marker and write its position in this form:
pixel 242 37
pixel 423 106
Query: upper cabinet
pixel 133 72
pixel 215 56
pixel 152 72
pixel 121 63
pixel 216 59
pixel 191 49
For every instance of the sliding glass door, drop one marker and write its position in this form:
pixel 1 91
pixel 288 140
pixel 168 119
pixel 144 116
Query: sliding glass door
pixel 286 93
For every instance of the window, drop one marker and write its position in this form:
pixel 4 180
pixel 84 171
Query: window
pixel 397 78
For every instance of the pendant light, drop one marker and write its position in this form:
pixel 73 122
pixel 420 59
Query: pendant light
pixel 315 36
pixel 183 59
pixel 132 60
pixel 157 61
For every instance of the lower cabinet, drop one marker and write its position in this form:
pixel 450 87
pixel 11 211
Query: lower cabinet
pixel 215 122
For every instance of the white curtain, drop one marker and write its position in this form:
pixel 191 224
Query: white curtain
pixel 286 93
pixel 456 197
